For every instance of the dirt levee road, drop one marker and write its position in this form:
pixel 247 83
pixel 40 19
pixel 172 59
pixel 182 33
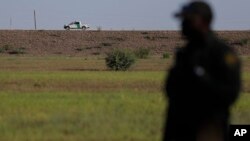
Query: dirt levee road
pixel 87 43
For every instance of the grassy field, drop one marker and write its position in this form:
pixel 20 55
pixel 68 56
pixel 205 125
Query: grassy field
pixel 78 99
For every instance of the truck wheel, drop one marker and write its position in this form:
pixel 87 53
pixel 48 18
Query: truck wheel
pixel 84 28
pixel 67 28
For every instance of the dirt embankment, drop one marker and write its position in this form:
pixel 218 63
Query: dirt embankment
pixel 87 43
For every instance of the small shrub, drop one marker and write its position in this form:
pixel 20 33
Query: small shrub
pixel 120 39
pixel 96 53
pixel 7 48
pixel 243 42
pixel 149 38
pixel 79 49
pixel 55 35
pixel 119 60
pixel 88 48
pixel 142 53
pixel 166 55
pixel 2 50
pixel 38 85
pixel 97 47
pixel 106 44
pixel 10 50
pixel 144 33
pixel 162 37
pixel 17 51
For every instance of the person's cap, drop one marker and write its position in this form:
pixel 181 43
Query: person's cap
pixel 197 8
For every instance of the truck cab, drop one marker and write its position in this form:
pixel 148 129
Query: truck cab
pixel 76 25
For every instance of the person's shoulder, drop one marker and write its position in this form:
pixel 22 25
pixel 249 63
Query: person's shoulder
pixel 221 47
pixel 180 50
pixel 226 53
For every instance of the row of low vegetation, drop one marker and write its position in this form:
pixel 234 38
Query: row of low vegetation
pixel 117 59
pixel 11 50
pixel 122 60
pixel 241 42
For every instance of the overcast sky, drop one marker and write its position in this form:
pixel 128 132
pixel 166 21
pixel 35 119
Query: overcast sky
pixel 116 14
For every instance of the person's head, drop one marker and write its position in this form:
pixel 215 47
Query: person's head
pixel 196 18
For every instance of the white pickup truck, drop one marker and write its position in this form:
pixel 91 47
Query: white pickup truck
pixel 76 25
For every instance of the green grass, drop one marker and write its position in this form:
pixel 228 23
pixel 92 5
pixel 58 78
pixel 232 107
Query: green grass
pixel 81 105
pixel 56 99
pixel 241 114
pixel 82 81
pixel 81 116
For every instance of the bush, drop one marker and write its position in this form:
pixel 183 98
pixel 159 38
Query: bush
pixel 142 53
pixel 96 53
pixel 144 33
pixel 106 44
pixel 10 50
pixel 17 51
pixel 149 38
pixel 2 50
pixel 120 39
pixel 6 48
pixel 243 42
pixel 119 60
pixel 80 49
pixel 166 55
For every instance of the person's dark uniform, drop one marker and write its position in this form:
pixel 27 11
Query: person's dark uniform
pixel 201 86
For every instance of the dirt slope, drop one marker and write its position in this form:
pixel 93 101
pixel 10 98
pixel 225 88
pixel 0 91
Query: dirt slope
pixel 87 43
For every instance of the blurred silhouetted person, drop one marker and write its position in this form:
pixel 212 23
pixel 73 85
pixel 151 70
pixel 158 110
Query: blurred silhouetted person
pixel 203 82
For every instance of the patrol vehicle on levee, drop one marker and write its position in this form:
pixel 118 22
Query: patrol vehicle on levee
pixel 76 25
